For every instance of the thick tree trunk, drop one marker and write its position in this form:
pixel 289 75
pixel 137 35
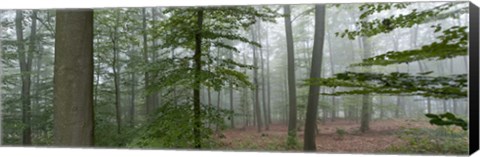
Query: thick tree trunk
pixel 73 79
pixel 292 120
pixel 25 69
pixel 313 94
pixel 196 90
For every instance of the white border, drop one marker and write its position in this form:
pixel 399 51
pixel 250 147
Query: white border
pixel 49 4
pixel 71 152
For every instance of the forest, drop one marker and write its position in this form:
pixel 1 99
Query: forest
pixel 349 78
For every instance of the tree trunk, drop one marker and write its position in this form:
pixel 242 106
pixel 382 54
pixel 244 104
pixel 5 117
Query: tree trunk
pixel 132 100
pixel 149 98
pixel 366 99
pixel 232 122
pixel 313 94
pixel 292 120
pixel 332 71
pixel 269 114
pixel 25 70
pixel 116 75
pixel 196 90
pixel 264 104
pixel 73 79
pixel 257 116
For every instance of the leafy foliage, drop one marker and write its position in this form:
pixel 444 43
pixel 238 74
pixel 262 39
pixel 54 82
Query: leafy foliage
pixel 444 87
pixel 453 42
pixel 447 119
pixel 386 25
pixel 165 132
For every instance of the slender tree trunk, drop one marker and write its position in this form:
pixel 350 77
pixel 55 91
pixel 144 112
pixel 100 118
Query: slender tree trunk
pixel 116 75
pixel 332 71
pixel 292 120
pixel 313 94
pixel 149 98
pixel 269 114
pixel 264 104
pixel 366 99
pixel 196 90
pixel 25 70
pixel 258 116
pixel 73 79
pixel 132 100
pixel 232 122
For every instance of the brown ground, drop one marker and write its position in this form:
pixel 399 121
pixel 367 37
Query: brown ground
pixel 381 136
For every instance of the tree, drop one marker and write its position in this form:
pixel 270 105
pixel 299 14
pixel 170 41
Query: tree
pixel 451 43
pixel 209 27
pixel 313 94
pixel 73 78
pixel 116 71
pixel 292 96
pixel 25 66
pixel 256 103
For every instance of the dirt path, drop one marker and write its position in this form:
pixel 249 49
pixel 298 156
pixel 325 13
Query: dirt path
pixel 382 134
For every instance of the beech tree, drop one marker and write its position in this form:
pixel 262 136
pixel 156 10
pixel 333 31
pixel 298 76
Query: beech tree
pixel 73 78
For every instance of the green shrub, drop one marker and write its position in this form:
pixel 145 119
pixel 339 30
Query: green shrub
pixel 173 127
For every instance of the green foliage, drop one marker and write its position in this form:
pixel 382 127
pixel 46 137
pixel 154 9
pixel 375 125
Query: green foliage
pixel 386 25
pixel 444 87
pixel 447 119
pixel 442 140
pixel 292 141
pixel 453 42
pixel 164 130
pixel 220 30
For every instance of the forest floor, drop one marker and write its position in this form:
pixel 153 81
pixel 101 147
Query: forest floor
pixel 339 136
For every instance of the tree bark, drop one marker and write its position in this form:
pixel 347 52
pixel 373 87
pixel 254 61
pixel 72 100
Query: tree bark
pixel 366 99
pixel 232 122
pixel 332 71
pixel 25 70
pixel 73 79
pixel 264 104
pixel 269 114
pixel 149 98
pixel 116 75
pixel 292 120
pixel 257 116
pixel 196 90
pixel 313 94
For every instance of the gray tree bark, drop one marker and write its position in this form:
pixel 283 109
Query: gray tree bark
pixel 257 116
pixel 292 120
pixel 25 61
pixel 313 94
pixel 73 78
